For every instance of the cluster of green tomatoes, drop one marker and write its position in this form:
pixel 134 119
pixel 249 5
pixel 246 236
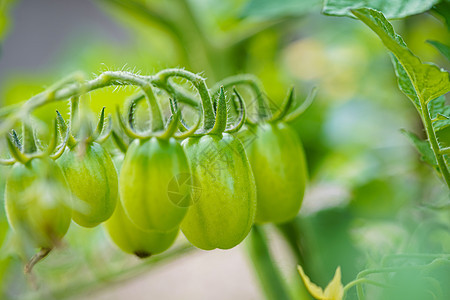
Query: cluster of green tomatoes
pixel 213 180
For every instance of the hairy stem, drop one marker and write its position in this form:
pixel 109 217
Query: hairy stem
pixel 162 78
pixel 68 89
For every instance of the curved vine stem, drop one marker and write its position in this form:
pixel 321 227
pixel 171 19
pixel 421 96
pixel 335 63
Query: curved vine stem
pixel 364 281
pixel 74 87
pixel 162 79
pixel 253 83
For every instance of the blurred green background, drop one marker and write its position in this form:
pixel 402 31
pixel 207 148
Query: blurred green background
pixel 369 194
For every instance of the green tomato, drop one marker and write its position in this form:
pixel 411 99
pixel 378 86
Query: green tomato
pixel 147 170
pixel 278 162
pixel 133 240
pixel 93 181
pixel 37 200
pixel 225 203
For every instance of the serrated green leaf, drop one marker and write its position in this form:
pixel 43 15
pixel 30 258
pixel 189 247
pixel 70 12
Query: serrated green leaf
pixel 404 83
pixel 427 80
pixel 444 49
pixel 392 9
pixel 439 112
pixel 274 9
pixel 423 147
pixel 443 136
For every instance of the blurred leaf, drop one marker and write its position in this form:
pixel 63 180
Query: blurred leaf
pixel 444 49
pixel 275 9
pixel 440 270
pixel 392 9
pixel 4 278
pixel 380 198
pixel 420 82
pixel 5 7
pixel 423 147
pixel 428 282
pixel 327 235
pixel 443 9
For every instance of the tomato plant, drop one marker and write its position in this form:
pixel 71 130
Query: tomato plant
pixel 207 155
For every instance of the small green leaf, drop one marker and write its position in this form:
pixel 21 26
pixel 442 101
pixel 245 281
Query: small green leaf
pixel 427 80
pixel 15 151
pixel 242 114
pixel 423 147
pixel 444 49
pixel 221 114
pixel 287 104
pixel 392 9
pixel 100 126
pixel 29 143
pixel 15 139
pixel 64 130
pixel 120 143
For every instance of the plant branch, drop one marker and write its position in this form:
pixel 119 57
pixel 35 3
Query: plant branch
pixel 67 89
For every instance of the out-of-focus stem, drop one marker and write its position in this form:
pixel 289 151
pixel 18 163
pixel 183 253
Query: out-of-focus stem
pixel 268 274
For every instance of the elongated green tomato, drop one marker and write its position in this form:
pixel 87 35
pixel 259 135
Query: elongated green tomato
pixel 131 239
pixel 147 170
pixel 37 200
pixel 277 159
pixel 93 181
pixel 224 206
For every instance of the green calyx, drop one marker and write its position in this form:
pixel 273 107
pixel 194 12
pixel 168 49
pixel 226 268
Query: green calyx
pixel 86 135
pixel 286 113
pixel 222 115
pixel 30 147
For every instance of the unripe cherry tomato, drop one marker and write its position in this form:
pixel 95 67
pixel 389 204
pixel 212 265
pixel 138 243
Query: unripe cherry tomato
pixel 93 181
pixel 278 162
pixel 134 240
pixel 37 199
pixel 148 168
pixel 224 208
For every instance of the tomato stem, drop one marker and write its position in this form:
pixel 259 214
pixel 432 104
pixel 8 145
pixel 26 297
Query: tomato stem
pixel 35 259
pixel 268 274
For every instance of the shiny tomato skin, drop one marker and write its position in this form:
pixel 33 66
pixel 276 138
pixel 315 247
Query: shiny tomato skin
pixel 277 158
pixel 224 207
pixel 93 181
pixel 147 170
pixel 38 202
pixel 133 240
